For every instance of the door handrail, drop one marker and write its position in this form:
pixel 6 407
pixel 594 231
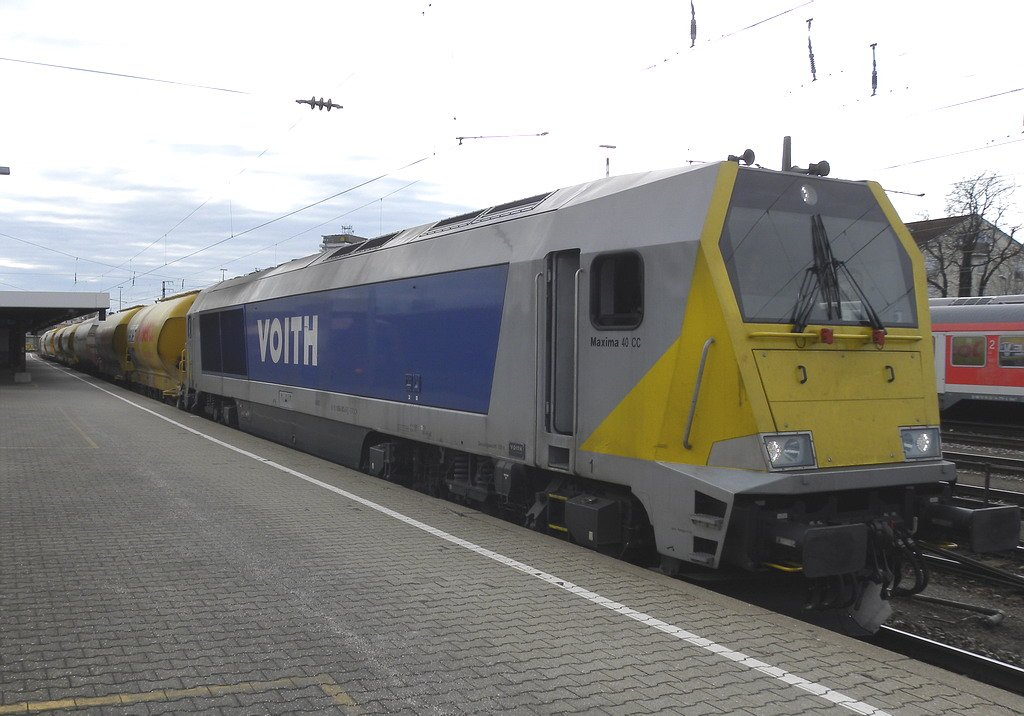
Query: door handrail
pixel 575 365
pixel 540 374
pixel 696 392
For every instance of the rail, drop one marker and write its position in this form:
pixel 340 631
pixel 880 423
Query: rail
pixel 989 494
pixel 976 666
pixel 696 392
pixel 997 463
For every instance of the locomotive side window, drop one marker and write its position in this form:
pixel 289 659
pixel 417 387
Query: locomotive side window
pixel 232 341
pixel 1011 351
pixel 209 342
pixel 222 341
pixel 968 351
pixel 617 291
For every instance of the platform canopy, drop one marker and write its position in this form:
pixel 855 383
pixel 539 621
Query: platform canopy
pixel 33 311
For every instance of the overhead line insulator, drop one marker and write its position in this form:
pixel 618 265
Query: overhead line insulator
pixel 321 103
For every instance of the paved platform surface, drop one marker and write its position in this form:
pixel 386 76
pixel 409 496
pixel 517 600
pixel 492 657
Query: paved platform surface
pixel 154 562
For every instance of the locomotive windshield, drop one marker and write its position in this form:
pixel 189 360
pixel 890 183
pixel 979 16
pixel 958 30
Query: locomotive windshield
pixel 803 250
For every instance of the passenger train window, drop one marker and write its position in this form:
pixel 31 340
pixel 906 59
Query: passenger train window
pixel 617 291
pixel 1011 351
pixel 968 351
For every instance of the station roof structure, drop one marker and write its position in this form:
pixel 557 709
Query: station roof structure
pixel 36 310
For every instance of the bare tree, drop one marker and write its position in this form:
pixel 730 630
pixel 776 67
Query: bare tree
pixel 977 246
pixel 941 254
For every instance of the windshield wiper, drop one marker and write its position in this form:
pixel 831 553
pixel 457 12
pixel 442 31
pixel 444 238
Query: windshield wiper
pixel 822 278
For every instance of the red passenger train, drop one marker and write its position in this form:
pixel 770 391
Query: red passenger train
pixel 979 349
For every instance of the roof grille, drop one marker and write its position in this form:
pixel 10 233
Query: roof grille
pixel 347 249
pixel 453 222
pixel 495 212
pixel 362 246
pixel 515 207
pixel 377 243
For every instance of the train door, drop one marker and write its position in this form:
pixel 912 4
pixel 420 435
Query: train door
pixel 560 307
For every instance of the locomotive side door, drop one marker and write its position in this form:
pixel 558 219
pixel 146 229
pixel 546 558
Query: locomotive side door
pixel 557 346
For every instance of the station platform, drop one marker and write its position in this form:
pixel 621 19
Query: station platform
pixel 154 562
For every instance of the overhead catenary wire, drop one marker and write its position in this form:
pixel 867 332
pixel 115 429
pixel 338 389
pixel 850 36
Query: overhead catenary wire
pixel 980 99
pixel 705 39
pixel 323 223
pixel 58 251
pixel 282 216
pixel 693 30
pixel 954 154
pixel 122 75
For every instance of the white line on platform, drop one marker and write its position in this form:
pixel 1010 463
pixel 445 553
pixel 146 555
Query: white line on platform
pixel 738 657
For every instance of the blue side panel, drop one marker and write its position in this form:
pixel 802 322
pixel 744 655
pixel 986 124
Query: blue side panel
pixel 430 340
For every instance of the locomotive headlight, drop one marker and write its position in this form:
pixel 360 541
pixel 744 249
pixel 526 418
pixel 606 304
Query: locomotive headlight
pixel 920 443
pixel 808 194
pixel 789 450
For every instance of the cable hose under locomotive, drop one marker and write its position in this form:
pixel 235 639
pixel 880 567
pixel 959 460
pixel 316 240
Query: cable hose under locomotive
pixel 908 550
pixel 892 551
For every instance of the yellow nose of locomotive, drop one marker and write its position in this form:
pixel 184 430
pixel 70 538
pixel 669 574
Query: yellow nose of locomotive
pixel 806 340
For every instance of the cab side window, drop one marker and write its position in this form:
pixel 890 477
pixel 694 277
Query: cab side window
pixel 617 291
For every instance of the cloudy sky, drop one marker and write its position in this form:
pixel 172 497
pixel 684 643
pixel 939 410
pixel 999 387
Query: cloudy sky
pixel 155 146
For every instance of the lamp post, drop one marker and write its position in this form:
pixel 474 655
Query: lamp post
pixel 607 159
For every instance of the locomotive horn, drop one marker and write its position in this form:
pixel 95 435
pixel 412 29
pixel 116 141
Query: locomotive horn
pixel 820 169
pixel 747 157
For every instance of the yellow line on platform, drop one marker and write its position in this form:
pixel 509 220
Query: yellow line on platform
pixel 326 684
pixel 80 431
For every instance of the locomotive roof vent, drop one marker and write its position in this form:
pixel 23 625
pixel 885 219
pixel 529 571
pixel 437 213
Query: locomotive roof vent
pixel 515 207
pixel 376 243
pixel 453 222
pixel 347 249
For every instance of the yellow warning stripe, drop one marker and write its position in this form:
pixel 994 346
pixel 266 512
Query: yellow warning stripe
pixel 326 684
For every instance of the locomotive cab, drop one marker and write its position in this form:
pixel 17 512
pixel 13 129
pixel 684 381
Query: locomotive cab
pixel 831 334
pixel 797 407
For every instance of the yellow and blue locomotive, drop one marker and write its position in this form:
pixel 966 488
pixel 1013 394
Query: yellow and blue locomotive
pixel 722 364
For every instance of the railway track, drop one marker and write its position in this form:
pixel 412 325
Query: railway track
pixel 1009 426
pixel 978 667
pixel 999 572
pixel 980 439
pixel 980 461
pixel 980 492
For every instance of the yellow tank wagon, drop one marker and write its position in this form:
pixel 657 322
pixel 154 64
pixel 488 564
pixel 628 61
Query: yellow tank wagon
pixel 112 344
pixel 156 345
